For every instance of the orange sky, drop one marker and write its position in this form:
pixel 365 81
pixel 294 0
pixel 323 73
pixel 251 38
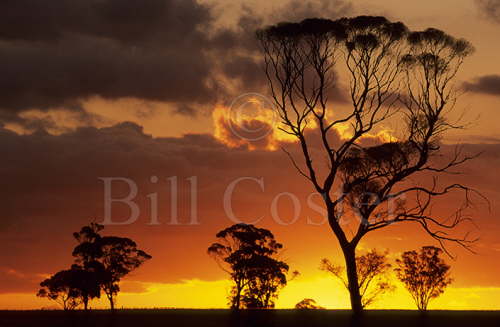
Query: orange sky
pixel 53 187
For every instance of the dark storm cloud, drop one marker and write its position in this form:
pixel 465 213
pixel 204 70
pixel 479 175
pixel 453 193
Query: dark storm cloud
pixel 296 10
pixel 241 58
pixel 56 54
pixel 247 69
pixel 489 84
pixel 45 76
pixel 490 9
pixel 130 22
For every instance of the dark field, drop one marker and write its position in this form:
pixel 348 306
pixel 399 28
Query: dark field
pixel 221 318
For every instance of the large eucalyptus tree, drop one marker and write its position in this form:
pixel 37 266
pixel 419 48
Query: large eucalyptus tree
pixel 394 76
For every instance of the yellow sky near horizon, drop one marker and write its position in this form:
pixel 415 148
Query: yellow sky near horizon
pixel 325 290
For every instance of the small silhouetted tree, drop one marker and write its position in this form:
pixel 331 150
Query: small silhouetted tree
pixel 110 258
pixel 308 304
pixel 266 278
pixel 394 75
pixel 248 255
pixel 372 272
pixel 120 256
pixel 424 274
pixel 62 288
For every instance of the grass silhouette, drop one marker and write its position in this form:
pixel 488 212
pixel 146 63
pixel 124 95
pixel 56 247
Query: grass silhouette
pixel 250 318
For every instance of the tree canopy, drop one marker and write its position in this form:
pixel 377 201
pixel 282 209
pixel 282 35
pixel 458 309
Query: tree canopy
pixel 248 255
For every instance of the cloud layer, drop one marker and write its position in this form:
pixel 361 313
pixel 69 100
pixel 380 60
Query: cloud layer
pixel 490 9
pixel 56 55
pixel 489 84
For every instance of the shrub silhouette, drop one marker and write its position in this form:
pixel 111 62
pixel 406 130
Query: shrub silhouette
pixel 424 274
pixel 309 304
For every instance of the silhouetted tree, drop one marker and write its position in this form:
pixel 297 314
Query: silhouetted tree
pixel 372 271
pixel 87 254
pixel 308 304
pixel 424 274
pixel 267 277
pixel 120 257
pixel 62 288
pixel 247 254
pixel 394 75
pixel 87 282
pixel 110 258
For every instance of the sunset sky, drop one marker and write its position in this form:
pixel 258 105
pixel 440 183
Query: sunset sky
pixel 92 89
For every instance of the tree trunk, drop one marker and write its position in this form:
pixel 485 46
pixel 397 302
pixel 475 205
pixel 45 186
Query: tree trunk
pixel 111 302
pixel 85 303
pixel 352 278
pixel 237 300
pixel 65 307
